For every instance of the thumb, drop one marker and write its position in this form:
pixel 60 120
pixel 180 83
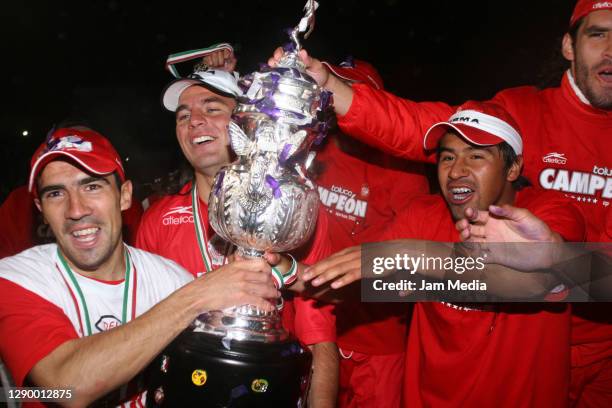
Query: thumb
pixel 506 211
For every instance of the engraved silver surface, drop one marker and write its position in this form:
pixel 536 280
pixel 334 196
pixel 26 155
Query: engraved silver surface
pixel 264 201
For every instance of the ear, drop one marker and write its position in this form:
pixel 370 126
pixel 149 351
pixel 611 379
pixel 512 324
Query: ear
pixel 126 195
pixel 38 204
pixel 567 48
pixel 515 170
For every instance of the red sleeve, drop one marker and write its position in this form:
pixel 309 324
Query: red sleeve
pixel 30 328
pixel 319 246
pixel 315 322
pixel 17 218
pixel 558 212
pixel 145 233
pixel 131 221
pixel 392 124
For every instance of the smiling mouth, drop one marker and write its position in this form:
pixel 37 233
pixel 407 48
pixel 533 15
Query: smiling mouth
pixel 86 234
pixel 202 140
pixel 460 195
pixel 606 75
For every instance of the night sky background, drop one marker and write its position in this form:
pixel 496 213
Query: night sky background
pixel 102 61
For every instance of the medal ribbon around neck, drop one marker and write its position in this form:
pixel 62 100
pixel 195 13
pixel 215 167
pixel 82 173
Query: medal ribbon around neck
pixel 129 302
pixel 201 231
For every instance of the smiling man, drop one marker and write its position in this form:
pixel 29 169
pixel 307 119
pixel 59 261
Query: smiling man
pixel 177 226
pixel 477 354
pixel 90 312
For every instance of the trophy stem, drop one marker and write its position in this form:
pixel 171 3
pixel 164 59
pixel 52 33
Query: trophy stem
pixel 249 252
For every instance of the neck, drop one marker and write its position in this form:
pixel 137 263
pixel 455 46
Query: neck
pixel 507 196
pixel 112 269
pixel 204 183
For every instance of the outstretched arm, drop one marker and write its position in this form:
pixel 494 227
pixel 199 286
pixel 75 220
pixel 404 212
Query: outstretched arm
pixel 97 364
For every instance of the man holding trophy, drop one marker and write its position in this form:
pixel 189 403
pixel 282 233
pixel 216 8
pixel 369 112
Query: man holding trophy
pixel 277 210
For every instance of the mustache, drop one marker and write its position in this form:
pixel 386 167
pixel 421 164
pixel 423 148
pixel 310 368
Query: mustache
pixel 606 62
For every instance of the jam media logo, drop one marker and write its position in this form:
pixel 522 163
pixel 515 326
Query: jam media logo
pixel 107 322
pixel 554 157
pixel 178 215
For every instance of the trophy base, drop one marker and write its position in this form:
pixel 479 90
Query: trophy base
pixel 197 368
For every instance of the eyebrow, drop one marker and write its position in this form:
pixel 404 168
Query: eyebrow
pixel 92 179
pixel 596 29
pixel 210 99
pixel 81 182
pixel 479 148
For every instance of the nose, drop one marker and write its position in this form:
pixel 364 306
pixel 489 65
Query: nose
pixel 458 169
pixel 77 207
pixel 608 49
pixel 197 118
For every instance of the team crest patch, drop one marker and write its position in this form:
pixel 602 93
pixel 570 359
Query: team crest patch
pixel 107 322
pixel 69 142
pixel 365 190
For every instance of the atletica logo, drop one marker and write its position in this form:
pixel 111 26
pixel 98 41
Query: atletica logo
pixel 178 215
pixel 554 157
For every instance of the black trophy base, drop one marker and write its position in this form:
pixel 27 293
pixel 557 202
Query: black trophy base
pixel 196 368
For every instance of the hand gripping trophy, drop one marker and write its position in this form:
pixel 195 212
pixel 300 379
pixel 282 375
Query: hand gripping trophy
pixel 261 202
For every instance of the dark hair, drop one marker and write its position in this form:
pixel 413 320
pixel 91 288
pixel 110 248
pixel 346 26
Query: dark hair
pixel 573 31
pixel 509 155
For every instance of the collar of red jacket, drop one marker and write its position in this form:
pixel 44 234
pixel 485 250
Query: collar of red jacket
pixel 572 94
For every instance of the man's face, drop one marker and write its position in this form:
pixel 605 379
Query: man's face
pixel 83 211
pixel 591 58
pixel 201 128
pixel 471 176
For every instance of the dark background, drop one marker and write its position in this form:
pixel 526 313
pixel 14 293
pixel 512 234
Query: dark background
pixel 102 61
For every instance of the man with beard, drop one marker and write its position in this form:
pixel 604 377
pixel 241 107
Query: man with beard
pixel 90 312
pixel 509 355
pixel 177 226
pixel 566 132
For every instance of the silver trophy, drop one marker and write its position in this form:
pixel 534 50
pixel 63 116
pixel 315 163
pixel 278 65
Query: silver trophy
pixel 264 201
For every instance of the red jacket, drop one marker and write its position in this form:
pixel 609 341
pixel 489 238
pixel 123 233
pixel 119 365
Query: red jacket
pixel 566 148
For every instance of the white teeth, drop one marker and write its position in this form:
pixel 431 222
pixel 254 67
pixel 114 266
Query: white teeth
pixel 83 232
pixel 202 139
pixel 461 190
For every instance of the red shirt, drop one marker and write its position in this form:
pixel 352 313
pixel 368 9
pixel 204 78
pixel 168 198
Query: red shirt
pixel 515 356
pixel 566 148
pixel 362 199
pixel 167 229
